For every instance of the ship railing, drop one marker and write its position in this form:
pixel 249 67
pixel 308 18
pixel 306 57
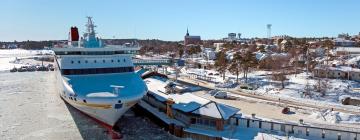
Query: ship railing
pixel 152 61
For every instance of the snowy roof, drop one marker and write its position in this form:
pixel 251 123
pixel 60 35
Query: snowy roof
pixel 188 102
pixel 342 40
pixel 348 49
pixel 216 110
pixel 185 102
pixel 284 41
pixel 260 56
pixel 340 68
pixel 353 60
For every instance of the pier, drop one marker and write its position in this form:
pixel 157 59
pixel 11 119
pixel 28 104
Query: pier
pixel 31 109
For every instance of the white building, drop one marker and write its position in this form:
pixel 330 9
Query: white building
pixel 209 54
pixel 340 42
pixel 218 46
pixel 347 51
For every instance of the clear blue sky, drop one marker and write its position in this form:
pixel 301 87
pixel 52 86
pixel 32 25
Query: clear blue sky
pixel 168 19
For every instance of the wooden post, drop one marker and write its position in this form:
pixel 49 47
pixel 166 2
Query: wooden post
pixel 219 124
pixel 169 102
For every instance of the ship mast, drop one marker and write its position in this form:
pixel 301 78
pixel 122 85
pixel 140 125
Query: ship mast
pixel 90 31
pixel 90 39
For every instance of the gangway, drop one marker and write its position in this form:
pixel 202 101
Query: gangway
pixel 152 62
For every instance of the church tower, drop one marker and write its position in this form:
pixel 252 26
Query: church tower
pixel 187 32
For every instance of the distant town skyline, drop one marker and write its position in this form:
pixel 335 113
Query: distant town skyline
pixel 23 20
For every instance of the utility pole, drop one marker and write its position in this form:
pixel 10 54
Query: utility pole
pixel 307 60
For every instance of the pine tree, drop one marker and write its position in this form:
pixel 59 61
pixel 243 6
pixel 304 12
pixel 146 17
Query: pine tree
pixel 248 61
pixel 221 63
pixel 235 65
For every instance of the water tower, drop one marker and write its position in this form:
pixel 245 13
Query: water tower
pixel 268 26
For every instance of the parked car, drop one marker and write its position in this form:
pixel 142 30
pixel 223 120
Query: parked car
pixel 213 92
pixel 221 95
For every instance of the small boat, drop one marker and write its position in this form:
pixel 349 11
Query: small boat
pixel 42 68
pixel 13 69
pixel 31 69
pixel 22 69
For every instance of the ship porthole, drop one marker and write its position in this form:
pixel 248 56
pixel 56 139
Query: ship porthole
pixel 119 101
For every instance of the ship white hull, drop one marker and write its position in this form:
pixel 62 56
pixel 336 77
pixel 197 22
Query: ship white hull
pixel 107 116
pixel 103 110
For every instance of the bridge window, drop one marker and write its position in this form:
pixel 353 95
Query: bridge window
pixel 96 70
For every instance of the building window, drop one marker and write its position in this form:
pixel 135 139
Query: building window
pixel 94 61
pixel 212 123
pixel 97 70
pixel 307 132
pixel 124 60
pixel 112 61
pixel 79 62
pixel 118 60
pixel 72 62
pixel 103 61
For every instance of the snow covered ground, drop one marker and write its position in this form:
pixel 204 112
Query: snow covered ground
pixel 294 90
pixel 335 117
pixel 31 109
pixel 8 57
pixel 294 86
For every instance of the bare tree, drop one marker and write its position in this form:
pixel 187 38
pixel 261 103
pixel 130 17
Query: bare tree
pixel 279 71
pixel 322 86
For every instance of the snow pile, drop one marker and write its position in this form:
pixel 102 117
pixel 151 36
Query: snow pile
pixel 353 60
pixel 260 56
pixel 335 117
pixel 266 136
pixel 295 88
pixel 8 57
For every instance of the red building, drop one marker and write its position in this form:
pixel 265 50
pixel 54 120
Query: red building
pixel 195 40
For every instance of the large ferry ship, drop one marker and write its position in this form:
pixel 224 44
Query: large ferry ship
pixel 98 79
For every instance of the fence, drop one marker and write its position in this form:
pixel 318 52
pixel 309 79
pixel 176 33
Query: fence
pixel 299 131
